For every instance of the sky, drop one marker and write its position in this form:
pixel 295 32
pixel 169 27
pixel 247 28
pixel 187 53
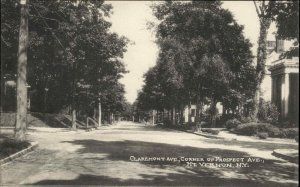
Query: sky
pixel 130 19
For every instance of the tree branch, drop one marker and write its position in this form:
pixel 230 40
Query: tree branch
pixel 6 43
pixel 256 8
pixel 258 13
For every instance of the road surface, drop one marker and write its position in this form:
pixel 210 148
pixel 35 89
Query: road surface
pixel 128 154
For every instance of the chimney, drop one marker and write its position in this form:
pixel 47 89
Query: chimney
pixel 279 45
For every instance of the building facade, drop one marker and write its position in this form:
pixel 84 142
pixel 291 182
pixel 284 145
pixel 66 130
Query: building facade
pixel 281 82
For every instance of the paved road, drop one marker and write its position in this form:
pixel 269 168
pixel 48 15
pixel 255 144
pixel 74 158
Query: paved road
pixel 109 156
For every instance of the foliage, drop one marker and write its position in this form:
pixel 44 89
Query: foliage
pixel 262 135
pixel 73 57
pixel 211 131
pixel 286 16
pixel 287 19
pixel 251 129
pixel 202 50
pixel 291 133
pixel 232 123
pixel 267 112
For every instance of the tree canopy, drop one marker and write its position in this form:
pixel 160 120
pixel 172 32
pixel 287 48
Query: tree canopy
pixel 73 55
pixel 203 57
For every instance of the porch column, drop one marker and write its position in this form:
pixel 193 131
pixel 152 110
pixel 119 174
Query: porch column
pixel 285 92
pixel 274 88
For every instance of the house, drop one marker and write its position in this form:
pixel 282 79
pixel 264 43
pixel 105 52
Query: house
pixel 281 82
pixel 193 111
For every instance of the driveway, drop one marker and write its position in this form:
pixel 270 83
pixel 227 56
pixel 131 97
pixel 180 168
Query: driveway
pixel 134 154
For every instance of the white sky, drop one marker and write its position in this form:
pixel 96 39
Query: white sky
pixel 130 18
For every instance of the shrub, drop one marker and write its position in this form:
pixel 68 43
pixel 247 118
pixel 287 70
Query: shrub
pixel 251 129
pixel 232 123
pixel 211 131
pixel 248 129
pixel 204 124
pixel 291 133
pixel 262 135
pixel 267 112
pixel 286 124
pixel 246 119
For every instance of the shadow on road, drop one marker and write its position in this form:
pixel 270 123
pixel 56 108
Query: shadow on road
pixel 271 173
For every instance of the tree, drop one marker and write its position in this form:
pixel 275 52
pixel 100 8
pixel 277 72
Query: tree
pixel 286 17
pixel 21 114
pixel 210 52
pixel 72 54
pixel 265 14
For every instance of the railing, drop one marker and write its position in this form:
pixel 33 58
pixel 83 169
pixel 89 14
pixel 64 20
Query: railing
pixel 91 119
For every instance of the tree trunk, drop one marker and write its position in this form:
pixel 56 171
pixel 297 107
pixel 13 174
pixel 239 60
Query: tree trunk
pixel 99 114
pixel 173 116
pixel 73 118
pixel 21 115
pixel 163 116
pixel 181 119
pixel 198 110
pixel 261 61
pixel 189 113
pixel 213 113
pixel 95 113
pixel 153 117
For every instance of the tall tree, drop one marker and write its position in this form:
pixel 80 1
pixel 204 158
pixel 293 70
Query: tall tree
pixel 21 114
pixel 73 55
pixel 264 10
pixel 210 49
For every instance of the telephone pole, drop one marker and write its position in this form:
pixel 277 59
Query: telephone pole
pixel 21 114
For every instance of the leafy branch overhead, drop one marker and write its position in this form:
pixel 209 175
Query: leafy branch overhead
pixel 70 42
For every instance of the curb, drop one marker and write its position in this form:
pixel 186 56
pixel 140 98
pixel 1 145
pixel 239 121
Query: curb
pixel 208 135
pixel 200 134
pixel 12 157
pixel 277 153
pixel 204 135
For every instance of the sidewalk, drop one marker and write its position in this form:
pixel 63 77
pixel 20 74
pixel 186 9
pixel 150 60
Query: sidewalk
pixel 230 136
pixel 291 155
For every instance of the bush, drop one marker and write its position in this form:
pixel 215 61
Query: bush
pixel 267 112
pixel 262 135
pixel 204 124
pixel 246 119
pixel 232 123
pixel 211 131
pixel 250 129
pixel 291 133
pixel 286 124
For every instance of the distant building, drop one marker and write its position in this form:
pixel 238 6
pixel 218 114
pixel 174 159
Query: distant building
pixel 219 108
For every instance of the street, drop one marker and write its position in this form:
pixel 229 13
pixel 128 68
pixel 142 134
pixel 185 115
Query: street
pixel 123 154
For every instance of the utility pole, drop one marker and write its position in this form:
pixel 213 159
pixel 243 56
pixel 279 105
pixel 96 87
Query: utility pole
pixel 21 114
